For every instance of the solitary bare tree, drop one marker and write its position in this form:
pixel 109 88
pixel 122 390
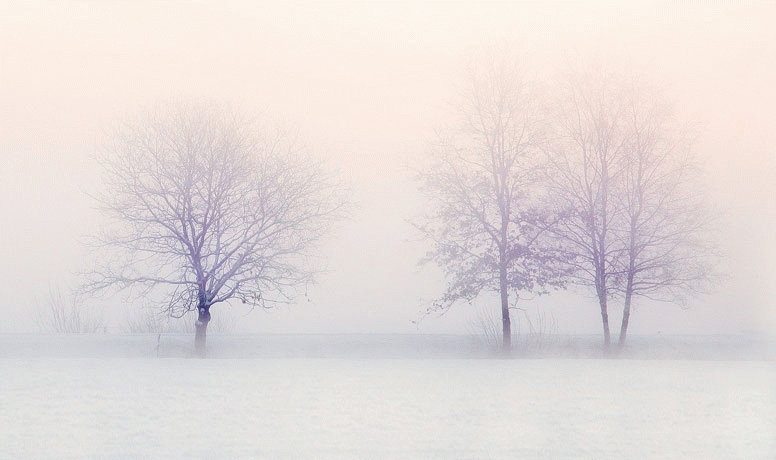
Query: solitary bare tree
pixel 207 207
pixel 622 174
pixel 486 222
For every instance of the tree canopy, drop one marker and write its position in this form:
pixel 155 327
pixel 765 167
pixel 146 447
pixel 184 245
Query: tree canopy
pixel 207 205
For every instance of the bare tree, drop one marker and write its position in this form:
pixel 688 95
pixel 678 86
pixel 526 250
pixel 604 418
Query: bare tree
pixel 68 315
pixel 665 222
pixel 622 174
pixel 207 207
pixel 486 220
pixel 590 140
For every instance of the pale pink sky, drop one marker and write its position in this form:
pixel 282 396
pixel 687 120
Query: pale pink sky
pixel 368 84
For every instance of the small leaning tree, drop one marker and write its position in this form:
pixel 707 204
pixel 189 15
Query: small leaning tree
pixel 207 207
pixel 486 221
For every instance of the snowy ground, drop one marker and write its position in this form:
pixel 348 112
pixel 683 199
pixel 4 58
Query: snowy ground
pixel 64 397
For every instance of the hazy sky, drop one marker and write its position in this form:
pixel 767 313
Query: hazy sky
pixel 368 84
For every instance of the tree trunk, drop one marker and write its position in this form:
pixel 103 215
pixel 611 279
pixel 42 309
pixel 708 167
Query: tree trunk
pixel 625 318
pixel 601 291
pixel 626 310
pixel 200 336
pixel 505 320
pixel 605 320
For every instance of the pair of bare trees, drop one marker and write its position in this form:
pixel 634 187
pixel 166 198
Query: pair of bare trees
pixel 594 188
pixel 622 165
pixel 208 206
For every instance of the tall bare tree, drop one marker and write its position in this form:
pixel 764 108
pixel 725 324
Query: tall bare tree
pixel 623 176
pixel 486 222
pixel 207 207
pixel 663 234
pixel 590 140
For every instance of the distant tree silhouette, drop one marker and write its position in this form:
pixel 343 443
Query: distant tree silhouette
pixel 623 175
pixel 208 208
pixel 486 221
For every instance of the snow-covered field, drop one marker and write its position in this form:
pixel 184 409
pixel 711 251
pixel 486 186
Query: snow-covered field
pixel 66 397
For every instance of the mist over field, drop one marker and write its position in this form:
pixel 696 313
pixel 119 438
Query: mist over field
pixel 366 362
pixel 386 408
pixel 367 85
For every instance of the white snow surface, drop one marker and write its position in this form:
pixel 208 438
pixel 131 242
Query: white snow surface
pixel 60 397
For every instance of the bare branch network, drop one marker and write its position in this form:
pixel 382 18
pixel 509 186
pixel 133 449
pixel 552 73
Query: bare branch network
pixel 207 206
pixel 486 222
pixel 593 184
